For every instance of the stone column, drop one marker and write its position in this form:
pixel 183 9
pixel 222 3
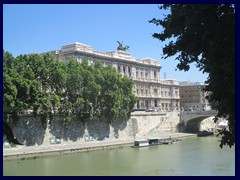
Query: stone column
pixel 126 71
pixel 115 65
pixel 157 75
pixel 121 68
pixel 151 90
pixel 133 69
pixel 144 74
pixel 152 74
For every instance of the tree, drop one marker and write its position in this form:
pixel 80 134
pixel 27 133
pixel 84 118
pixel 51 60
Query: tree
pixel 205 34
pixel 115 99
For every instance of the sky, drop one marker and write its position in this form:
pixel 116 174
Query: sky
pixel 39 28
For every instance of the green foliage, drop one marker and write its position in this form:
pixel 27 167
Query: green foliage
pixel 75 90
pixel 205 35
pixel 115 95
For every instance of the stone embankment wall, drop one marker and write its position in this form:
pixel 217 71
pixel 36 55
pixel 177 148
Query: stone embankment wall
pixel 30 131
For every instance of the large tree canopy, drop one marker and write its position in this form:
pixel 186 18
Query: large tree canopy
pixel 205 34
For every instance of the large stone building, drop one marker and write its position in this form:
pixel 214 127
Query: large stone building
pixel 192 97
pixel 152 92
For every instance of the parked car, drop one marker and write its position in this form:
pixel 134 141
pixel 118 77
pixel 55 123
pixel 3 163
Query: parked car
pixel 150 110
pixel 134 110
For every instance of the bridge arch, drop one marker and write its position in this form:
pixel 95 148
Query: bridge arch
pixel 194 125
pixel 191 120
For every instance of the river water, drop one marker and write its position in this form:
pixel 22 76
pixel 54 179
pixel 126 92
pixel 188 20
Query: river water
pixel 190 157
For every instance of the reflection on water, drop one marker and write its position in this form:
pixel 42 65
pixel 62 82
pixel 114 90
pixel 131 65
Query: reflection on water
pixel 192 156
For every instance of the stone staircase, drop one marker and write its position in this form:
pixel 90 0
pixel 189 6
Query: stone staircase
pixel 163 121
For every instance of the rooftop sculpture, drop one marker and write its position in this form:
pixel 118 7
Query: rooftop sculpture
pixel 121 48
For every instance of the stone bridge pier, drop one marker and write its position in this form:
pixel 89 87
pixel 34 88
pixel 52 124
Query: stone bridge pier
pixel 194 121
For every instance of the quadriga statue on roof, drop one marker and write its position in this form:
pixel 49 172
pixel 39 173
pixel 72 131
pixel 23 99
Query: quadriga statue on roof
pixel 121 48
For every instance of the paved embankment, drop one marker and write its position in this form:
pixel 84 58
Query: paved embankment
pixel 20 151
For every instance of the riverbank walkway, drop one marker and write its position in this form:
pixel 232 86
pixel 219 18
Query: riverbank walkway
pixel 21 151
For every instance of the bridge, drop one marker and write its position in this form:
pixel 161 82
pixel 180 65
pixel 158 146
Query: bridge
pixel 191 120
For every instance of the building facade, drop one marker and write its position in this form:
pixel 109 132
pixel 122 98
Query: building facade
pixel 192 97
pixel 152 92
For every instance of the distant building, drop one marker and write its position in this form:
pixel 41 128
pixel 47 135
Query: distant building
pixel 192 97
pixel 152 92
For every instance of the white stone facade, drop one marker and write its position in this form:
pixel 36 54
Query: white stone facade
pixel 152 92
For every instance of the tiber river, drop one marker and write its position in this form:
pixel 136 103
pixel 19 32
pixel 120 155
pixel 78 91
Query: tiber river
pixel 191 157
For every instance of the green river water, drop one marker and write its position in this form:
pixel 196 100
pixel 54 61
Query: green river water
pixel 191 157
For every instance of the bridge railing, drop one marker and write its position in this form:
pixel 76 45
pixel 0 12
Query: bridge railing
pixel 199 112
